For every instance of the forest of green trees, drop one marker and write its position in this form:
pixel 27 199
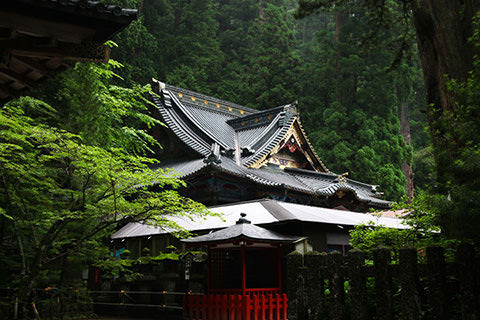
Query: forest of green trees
pixel 73 151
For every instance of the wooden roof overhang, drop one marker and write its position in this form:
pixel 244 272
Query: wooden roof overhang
pixel 40 37
pixel 320 185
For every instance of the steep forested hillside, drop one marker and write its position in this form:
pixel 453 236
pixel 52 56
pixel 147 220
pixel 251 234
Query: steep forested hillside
pixel 360 103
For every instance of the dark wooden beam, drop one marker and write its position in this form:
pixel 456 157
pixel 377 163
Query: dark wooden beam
pixel 16 77
pixel 88 51
pixel 7 91
pixel 29 42
pixel 32 64
pixel 33 26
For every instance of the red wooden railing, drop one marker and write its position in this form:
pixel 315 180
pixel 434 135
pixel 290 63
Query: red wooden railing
pixel 236 307
pixel 250 292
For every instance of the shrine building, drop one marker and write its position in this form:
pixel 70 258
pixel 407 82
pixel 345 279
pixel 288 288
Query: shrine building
pixel 236 160
pixel 243 163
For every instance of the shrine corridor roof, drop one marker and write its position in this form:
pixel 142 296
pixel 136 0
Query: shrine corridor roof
pixel 262 212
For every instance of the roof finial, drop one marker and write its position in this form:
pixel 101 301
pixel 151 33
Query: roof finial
pixel 243 219
pixel 341 178
pixel 214 157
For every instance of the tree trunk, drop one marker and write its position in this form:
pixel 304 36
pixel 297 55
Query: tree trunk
pixel 340 19
pixel 443 28
pixel 405 131
pixel 261 10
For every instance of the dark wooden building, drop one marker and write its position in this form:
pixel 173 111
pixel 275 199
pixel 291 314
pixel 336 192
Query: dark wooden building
pixel 239 160
pixel 41 37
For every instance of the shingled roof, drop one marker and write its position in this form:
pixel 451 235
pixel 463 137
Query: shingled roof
pixel 216 130
pixel 200 121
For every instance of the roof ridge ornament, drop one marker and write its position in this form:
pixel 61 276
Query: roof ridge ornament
pixel 214 157
pixel 243 219
pixel 342 178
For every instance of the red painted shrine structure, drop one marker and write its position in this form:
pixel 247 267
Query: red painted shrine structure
pixel 244 274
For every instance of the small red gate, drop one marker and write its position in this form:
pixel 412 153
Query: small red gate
pixel 244 279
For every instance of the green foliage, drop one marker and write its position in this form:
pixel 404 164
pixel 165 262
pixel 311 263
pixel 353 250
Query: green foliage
pixel 87 102
pixel 271 71
pixel 419 215
pixel 452 108
pixel 350 101
pixel 61 194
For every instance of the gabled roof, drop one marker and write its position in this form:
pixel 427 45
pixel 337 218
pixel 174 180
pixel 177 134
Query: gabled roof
pixel 200 121
pixel 263 212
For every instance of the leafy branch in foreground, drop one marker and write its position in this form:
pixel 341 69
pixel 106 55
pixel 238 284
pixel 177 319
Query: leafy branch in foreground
pixel 60 197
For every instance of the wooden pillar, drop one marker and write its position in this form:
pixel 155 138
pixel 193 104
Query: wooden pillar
pixel 244 280
pixel 410 299
pixel 436 270
pixel 209 269
pixel 337 289
pixel 279 267
pixel 358 285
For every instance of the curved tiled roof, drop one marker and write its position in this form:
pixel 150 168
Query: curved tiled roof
pixel 201 122
pixel 315 183
pixel 244 230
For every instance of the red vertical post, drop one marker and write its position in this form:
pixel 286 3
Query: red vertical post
pixel 285 306
pixel 278 304
pixel 247 307
pixel 225 306
pixel 270 307
pixel 279 268
pixel 244 277
pixel 211 307
pixel 263 307
pixel 209 267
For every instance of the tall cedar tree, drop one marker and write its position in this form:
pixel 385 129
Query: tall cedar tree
pixel 352 113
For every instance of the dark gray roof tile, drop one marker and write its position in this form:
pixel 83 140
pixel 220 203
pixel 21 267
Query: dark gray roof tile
pixel 242 231
pixel 316 183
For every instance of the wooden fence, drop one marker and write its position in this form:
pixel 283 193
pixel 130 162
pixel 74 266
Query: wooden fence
pixel 332 286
